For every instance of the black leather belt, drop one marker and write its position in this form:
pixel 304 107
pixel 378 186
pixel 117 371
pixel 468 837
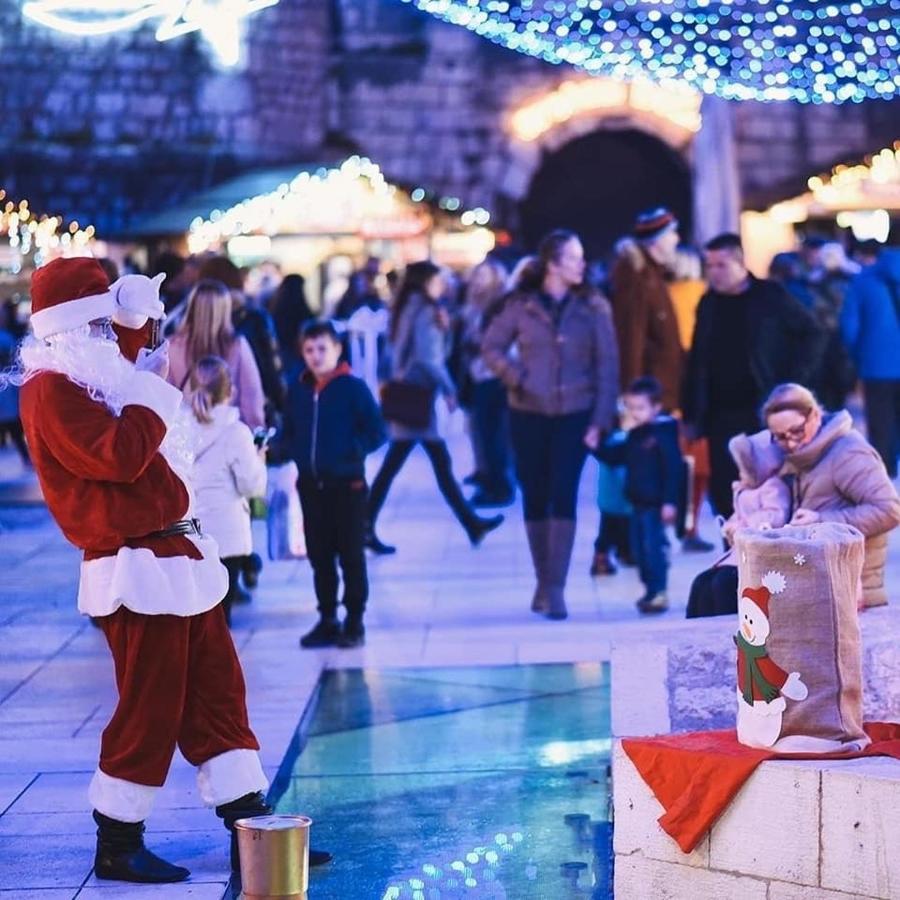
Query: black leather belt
pixel 184 526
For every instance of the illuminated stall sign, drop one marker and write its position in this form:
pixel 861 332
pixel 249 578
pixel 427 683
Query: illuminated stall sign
pixel 218 21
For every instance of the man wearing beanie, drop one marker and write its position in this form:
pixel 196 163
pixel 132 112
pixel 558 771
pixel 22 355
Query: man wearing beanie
pixel 644 316
pixel 109 448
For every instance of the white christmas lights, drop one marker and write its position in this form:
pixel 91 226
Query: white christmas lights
pixel 354 198
pixel 39 237
pixel 218 21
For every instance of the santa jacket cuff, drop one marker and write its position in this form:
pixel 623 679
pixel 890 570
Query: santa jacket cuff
pixel 147 389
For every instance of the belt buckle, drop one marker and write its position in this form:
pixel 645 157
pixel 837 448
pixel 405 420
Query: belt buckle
pixel 197 529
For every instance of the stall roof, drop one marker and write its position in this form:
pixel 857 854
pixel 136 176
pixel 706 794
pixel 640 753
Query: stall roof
pixel 177 219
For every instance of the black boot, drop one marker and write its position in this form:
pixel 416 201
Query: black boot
pixel 325 633
pixel 252 567
pixel 247 807
pixel 478 528
pixel 378 547
pixel 122 856
pixel 354 633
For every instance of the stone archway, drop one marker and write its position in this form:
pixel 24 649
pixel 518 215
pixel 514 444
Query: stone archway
pixel 597 183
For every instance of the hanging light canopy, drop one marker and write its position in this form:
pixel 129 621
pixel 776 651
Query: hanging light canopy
pixel 812 51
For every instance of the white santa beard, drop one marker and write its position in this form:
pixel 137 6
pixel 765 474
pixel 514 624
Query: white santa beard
pixel 97 365
pixel 92 363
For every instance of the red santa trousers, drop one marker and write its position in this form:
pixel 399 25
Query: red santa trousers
pixel 180 684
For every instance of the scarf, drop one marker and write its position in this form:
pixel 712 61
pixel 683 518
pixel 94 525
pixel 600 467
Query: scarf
pixel 752 675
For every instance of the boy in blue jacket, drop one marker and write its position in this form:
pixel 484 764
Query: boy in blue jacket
pixel 654 483
pixel 331 424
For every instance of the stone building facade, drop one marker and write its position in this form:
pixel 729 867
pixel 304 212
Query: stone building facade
pixel 112 128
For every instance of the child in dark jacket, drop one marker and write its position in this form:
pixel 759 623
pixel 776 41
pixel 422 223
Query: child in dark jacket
pixel 331 424
pixel 653 485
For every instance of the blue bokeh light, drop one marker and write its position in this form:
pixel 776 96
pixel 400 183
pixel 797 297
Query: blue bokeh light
pixel 803 50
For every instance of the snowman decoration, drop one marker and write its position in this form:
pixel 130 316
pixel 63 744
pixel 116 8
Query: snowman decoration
pixel 763 687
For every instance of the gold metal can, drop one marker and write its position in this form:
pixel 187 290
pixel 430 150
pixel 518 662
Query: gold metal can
pixel 274 853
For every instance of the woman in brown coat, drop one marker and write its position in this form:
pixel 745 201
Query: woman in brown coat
pixel 562 385
pixel 834 476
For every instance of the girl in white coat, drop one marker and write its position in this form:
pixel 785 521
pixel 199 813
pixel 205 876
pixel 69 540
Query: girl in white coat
pixel 228 468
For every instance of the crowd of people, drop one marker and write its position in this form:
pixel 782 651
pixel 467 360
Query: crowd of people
pixel 653 364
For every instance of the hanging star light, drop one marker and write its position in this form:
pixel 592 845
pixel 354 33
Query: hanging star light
pixel 811 51
pixel 218 21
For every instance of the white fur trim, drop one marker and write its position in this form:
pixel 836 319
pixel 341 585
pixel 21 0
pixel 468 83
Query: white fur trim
pixel 124 801
pixel 152 585
pixel 230 775
pixel 147 389
pixel 72 314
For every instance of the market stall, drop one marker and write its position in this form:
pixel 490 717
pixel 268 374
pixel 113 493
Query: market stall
pixel 322 223
pixel 860 201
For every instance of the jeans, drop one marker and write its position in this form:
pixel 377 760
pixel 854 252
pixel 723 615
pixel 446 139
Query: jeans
pixel 550 454
pixel 439 457
pixel 490 421
pixel 722 468
pixel 650 548
pixel 883 420
pixel 334 522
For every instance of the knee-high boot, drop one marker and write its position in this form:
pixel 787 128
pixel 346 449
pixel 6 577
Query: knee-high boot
pixel 538 532
pixel 560 543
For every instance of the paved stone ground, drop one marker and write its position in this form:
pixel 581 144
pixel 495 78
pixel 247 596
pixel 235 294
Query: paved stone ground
pixel 438 602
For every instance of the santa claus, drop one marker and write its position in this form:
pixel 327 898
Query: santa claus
pixel 103 427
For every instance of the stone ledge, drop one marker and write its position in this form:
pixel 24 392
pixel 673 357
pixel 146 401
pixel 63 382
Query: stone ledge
pixel 797 830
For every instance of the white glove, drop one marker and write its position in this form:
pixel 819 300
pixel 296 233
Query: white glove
pixel 137 300
pixel 794 688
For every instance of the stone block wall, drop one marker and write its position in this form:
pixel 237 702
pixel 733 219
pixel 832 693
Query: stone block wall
pixel 111 127
pixel 797 830
pixel 104 128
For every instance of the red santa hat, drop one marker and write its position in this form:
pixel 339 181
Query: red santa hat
pixel 772 583
pixel 68 293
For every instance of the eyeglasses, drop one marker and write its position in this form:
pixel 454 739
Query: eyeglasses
pixel 103 328
pixel 794 434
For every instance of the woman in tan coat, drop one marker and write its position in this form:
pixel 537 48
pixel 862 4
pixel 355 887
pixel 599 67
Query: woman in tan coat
pixel 834 476
pixel 553 346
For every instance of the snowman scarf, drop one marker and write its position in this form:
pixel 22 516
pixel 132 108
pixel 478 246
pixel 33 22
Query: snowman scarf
pixel 752 674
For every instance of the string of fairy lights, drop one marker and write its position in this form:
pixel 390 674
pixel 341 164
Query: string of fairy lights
pixel 811 51
pixel 35 237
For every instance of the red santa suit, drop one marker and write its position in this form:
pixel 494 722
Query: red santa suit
pixel 108 463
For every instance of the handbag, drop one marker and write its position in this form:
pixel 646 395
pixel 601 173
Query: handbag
pixel 408 400
pixel 407 403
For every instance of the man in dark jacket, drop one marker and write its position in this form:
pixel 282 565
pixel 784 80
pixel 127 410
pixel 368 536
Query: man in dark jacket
pixel 331 423
pixel 750 335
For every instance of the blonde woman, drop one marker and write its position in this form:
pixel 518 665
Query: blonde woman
pixel 228 468
pixel 834 475
pixel 206 330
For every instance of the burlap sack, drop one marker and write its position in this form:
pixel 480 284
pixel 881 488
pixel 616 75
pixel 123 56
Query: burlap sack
pixel 808 579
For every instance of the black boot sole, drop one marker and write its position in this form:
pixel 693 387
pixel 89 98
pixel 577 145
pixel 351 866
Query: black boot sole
pixel 134 875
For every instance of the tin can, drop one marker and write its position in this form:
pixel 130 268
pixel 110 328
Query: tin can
pixel 274 852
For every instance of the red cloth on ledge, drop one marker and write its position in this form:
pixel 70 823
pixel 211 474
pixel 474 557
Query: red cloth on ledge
pixel 695 776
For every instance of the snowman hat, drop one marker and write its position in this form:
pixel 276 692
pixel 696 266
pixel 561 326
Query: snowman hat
pixel 68 293
pixel 772 583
